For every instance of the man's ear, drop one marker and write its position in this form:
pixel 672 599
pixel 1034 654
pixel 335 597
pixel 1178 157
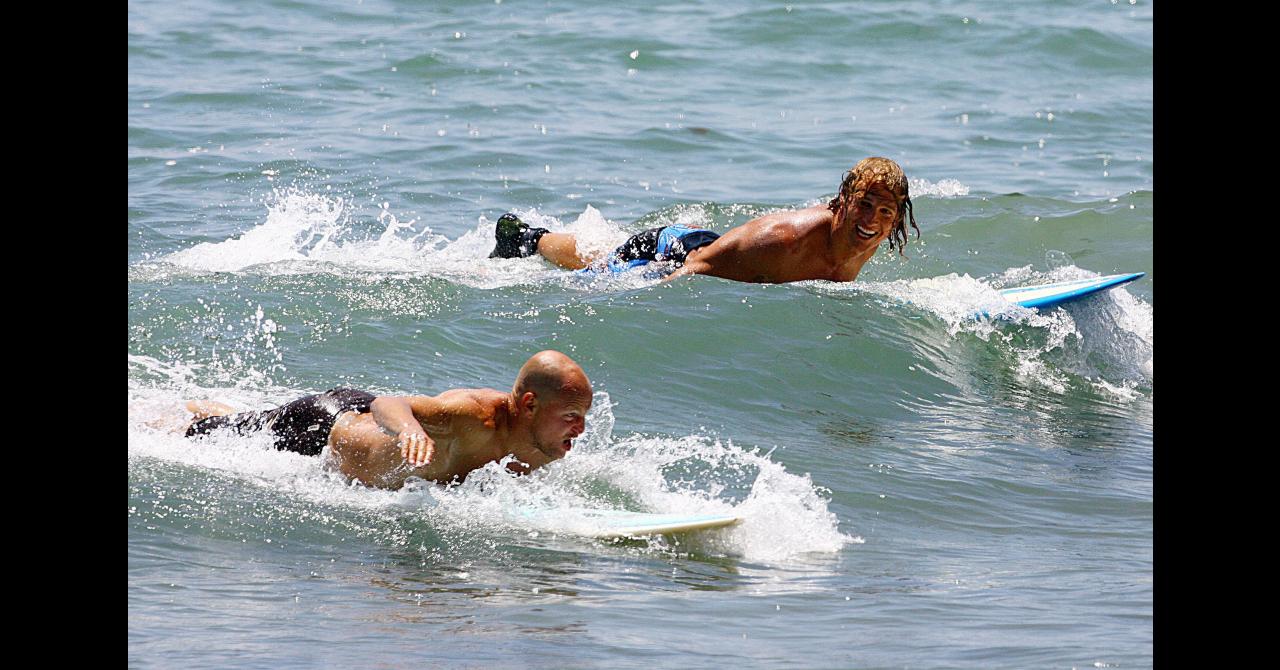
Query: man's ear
pixel 528 401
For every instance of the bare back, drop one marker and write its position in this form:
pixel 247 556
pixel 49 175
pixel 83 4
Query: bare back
pixel 781 247
pixel 469 427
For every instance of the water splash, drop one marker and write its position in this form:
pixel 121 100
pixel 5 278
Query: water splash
pixel 306 232
pixel 785 514
pixel 1106 340
pixel 311 232
pixel 297 224
pixel 943 188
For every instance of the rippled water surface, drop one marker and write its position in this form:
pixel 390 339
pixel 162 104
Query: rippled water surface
pixel 312 191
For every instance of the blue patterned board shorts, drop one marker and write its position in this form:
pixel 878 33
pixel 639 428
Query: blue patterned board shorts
pixel 666 244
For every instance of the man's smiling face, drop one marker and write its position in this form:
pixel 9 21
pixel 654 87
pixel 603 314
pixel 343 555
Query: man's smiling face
pixel 872 216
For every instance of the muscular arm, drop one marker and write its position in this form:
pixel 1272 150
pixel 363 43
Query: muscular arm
pixel 387 445
pixel 689 268
pixel 751 252
pixel 374 447
pixel 403 416
pixel 776 248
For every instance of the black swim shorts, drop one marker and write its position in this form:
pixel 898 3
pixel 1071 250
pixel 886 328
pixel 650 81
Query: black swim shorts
pixel 302 425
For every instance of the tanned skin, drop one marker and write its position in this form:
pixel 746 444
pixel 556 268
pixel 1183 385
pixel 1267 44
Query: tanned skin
pixel 810 243
pixel 817 242
pixel 443 438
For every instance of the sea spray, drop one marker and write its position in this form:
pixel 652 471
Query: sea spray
pixel 1105 340
pixel 785 515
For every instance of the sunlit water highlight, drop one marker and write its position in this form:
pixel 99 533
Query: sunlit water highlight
pixel 312 194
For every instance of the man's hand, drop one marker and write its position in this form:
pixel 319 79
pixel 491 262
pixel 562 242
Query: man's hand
pixel 416 446
pixel 395 415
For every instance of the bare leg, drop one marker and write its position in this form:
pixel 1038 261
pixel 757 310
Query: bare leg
pixel 515 239
pixel 203 409
pixel 562 249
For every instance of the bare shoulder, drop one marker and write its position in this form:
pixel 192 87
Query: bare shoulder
pixel 486 406
pixel 782 228
pixel 806 218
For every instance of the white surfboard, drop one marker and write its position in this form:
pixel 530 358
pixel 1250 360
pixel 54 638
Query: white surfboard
pixel 608 523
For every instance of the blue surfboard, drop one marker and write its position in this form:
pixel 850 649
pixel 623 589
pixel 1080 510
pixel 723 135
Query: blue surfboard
pixel 1052 295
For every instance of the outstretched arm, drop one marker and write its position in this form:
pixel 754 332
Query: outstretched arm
pixel 399 416
pixel 689 268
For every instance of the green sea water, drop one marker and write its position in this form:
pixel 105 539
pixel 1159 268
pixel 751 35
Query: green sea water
pixel 312 191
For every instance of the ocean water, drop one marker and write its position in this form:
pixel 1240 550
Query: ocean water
pixel 312 192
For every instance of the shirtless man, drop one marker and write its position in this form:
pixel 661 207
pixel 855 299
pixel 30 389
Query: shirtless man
pixel 830 241
pixel 381 441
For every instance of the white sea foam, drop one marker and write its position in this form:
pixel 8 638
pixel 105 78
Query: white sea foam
pixel 785 514
pixel 307 232
pixel 943 188
pixel 297 224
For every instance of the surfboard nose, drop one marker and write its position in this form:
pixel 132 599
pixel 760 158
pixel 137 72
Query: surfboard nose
pixel 1051 295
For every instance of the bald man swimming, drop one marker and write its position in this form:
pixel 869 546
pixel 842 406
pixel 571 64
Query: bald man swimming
pixel 382 441
pixel 830 241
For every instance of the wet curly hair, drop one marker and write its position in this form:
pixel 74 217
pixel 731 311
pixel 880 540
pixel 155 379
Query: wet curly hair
pixel 877 170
